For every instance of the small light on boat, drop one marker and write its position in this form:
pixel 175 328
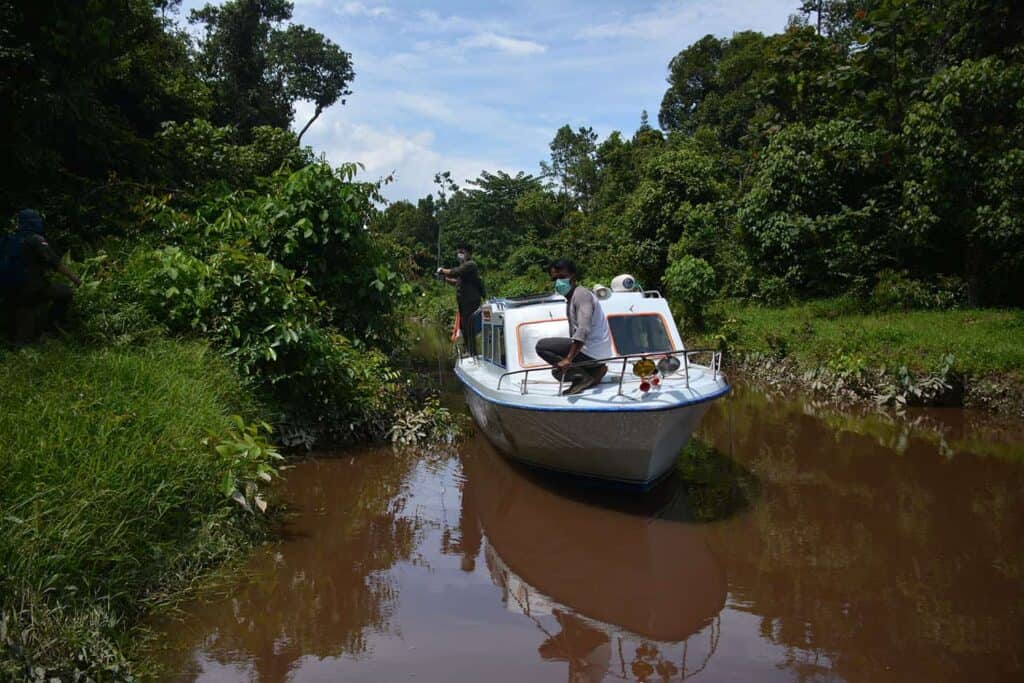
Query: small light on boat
pixel 624 283
pixel 644 368
pixel 668 365
pixel 645 386
pixel 602 292
pixel 655 381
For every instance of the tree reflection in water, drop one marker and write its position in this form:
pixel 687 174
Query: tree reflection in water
pixel 330 590
pixel 869 564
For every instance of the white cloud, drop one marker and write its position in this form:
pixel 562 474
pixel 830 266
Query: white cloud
pixel 434 22
pixel 358 9
pixel 410 158
pixel 673 21
pixel 512 46
pixel 427 106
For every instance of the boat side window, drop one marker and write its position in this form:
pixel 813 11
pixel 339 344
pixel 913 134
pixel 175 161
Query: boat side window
pixel 494 343
pixel 639 333
pixel 530 332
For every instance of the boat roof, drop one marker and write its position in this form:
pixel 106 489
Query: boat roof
pixel 526 300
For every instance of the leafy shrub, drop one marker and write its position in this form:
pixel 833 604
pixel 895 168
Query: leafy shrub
pixel 335 390
pixel 246 304
pixel 312 222
pixel 774 291
pixel 430 422
pixel 203 153
pixel 896 290
pixel 691 282
pixel 268 323
pixel 287 285
pixel 528 260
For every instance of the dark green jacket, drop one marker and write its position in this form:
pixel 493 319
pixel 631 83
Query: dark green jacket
pixel 469 289
pixel 38 259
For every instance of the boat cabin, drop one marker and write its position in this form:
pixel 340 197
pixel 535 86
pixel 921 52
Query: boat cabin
pixel 640 323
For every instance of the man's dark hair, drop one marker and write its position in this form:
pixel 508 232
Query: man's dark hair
pixel 463 246
pixel 563 264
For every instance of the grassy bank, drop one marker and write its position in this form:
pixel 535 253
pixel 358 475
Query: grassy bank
pixel 832 343
pixel 116 479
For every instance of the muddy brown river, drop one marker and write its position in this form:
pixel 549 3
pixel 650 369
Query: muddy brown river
pixel 790 543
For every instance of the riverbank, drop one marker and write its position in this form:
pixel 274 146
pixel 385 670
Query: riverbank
pixel 125 474
pixel 840 354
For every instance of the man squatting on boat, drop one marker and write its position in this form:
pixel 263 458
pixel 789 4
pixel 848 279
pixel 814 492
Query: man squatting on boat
pixel 589 337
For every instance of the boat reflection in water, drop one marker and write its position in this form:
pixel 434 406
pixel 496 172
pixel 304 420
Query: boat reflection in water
pixel 618 584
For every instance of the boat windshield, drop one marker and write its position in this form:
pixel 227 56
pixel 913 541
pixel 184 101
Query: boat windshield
pixel 639 333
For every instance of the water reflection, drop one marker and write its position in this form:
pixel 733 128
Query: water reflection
pixel 643 574
pixel 867 563
pixel 625 591
pixel 325 589
pixel 789 546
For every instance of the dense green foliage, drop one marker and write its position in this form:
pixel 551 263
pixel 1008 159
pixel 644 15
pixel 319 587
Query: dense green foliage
pixel 283 281
pixel 102 103
pixel 226 271
pixel 869 138
pixel 116 479
pixel 169 164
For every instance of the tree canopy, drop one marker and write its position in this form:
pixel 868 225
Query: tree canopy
pixel 868 142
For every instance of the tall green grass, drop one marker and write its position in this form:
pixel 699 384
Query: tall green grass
pixel 983 341
pixel 110 494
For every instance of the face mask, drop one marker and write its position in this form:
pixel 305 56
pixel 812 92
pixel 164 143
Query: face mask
pixel 461 257
pixel 563 285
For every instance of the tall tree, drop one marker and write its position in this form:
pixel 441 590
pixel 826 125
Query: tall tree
pixel 236 61
pixel 83 88
pixel 258 67
pixel 574 164
pixel 693 75
pixel 488 214
pixel 314 69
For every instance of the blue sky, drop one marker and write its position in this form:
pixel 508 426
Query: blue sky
pixel 467 86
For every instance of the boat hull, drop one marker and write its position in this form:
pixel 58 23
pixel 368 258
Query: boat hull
pixel 629 447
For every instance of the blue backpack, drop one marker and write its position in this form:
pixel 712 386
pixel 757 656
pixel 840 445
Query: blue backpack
pixel 12 265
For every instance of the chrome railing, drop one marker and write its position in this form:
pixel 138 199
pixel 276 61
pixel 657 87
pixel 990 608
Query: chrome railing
pixel 715 365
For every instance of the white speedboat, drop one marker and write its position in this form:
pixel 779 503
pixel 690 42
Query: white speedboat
pixel 630 427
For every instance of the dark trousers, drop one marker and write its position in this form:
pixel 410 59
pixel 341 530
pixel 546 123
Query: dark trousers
pixel 554 349
pixel 468 326
pixel 38 309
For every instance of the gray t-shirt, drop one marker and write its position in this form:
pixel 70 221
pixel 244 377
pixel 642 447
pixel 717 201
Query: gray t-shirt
pixel 588 324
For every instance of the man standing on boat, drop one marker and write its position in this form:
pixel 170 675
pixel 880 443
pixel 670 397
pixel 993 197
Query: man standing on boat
pixel 589 337
pixel 469 292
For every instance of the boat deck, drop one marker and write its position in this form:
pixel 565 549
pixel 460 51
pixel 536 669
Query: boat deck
pixel 538 389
